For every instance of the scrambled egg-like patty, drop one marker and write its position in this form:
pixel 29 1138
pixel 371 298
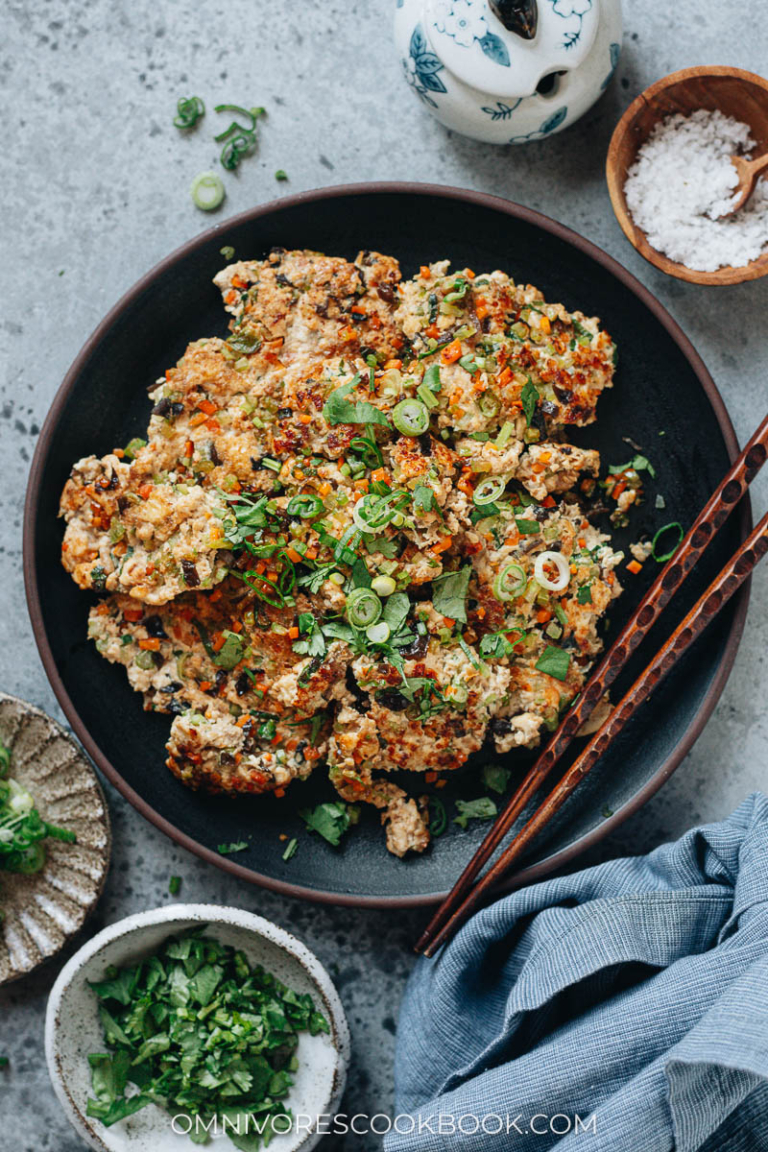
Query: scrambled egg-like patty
pixel 354 535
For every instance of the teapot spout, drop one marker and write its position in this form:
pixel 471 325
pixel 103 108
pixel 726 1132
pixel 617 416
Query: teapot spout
pixel 518 16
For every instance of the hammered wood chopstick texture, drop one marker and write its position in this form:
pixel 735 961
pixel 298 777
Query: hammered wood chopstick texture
pixel 703 530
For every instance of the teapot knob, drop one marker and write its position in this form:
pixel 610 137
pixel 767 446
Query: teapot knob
pixel 518 16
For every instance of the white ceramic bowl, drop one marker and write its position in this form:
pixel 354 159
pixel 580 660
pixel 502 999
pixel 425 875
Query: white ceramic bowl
pixel 72 1027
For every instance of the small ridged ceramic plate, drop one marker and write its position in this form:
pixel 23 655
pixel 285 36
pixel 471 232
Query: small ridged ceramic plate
pixel 41 912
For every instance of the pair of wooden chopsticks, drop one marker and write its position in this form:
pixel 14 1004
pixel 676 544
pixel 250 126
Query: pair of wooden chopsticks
pixel 463 897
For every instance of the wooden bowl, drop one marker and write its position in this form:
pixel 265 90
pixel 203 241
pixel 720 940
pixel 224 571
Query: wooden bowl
pixel 736 93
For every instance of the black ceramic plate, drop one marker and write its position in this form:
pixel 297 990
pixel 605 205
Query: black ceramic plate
pixel 664 400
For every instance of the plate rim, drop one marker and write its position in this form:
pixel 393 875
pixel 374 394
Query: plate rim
pixel 32 500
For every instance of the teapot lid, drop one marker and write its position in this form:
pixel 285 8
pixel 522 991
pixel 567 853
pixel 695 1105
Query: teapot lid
pixel 505 47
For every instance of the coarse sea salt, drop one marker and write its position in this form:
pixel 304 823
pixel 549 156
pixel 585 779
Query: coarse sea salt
pixel 683 179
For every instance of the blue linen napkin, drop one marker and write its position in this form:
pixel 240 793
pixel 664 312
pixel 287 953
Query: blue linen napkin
pixel 632 995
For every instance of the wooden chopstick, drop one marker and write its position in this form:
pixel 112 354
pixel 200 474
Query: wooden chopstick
pixel 703 612
pixel 703 530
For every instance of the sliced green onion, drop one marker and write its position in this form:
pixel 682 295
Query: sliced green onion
pixel 439 821
pixel 509 583
pixel 188 112
pixel 561 615
pixel 268 462
pixel 369 450
pixel 506 431
pixel 281 174
pixel 488 404
pixel 427 396
pixel 383 585
pixel 207 191
pixel 378 633
pixel 432 378
pixel 666 528
pixel 336 578
pixel 363 607
pixel 489 490
pixel 305 506
pixel 411 417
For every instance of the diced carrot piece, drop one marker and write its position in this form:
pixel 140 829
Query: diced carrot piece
pixel 451 353
pixel 311 553
pixel 189 448
pixel 145 491
pixel 481 309
pixel 205 685
pixel 279 792
pixel 230 297
pixel 324 489
pixel 238 282
pixel 432 331
pixel 237 625
pixel 469 274
pixel 293 633
pixel 448 621
pixel 618 489
pixel 544 324
pixel 151 644
pixel 357 310
pixel 198 419
pixel 634 567
pixel 424 272
pixel 430 777
pixel 218 641
pixel 543 616
pixel 393 364
pixel 305 418
pixel 293 555
pixel 133 615
pixel 549 502
pixel 504 377
pixel 443 545
pixel 380 474
pixel 208 407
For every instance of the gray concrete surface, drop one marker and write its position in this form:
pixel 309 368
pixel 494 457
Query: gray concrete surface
pixel 95 190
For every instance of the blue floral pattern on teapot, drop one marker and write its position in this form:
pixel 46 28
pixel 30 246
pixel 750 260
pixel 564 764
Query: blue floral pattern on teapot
pixel 476 77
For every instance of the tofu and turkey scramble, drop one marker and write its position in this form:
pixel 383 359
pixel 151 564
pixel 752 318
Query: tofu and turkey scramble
pixel 356 535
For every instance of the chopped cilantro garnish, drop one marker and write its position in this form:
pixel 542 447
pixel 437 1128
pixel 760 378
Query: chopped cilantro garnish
pixel 530 398
pixel 554 662
pixel 450 593
pixel 330 820
pixel 195 1028
pixel 235 846
pixel 639 463
pixel 339 410
pixel 482 809
pixel 496 777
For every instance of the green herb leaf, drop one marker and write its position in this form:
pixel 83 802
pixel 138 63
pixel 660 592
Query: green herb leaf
pixel 339 410
pixel 527 527
pixel 449 593
pixel 482 809
pixel 235 846
pixel 584 594
pixel 554 662
pixel 530 398
pixel 496 777
pixel 329 820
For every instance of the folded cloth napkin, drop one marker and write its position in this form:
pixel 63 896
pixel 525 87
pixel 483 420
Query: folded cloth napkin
pixel 632 996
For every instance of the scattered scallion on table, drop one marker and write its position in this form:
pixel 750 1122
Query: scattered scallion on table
pixel 207 191
pixel 189 110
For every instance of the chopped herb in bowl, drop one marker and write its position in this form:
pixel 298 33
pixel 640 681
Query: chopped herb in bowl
pixel 199 1031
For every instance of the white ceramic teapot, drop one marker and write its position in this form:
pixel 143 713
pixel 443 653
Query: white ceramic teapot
pixel 508 71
